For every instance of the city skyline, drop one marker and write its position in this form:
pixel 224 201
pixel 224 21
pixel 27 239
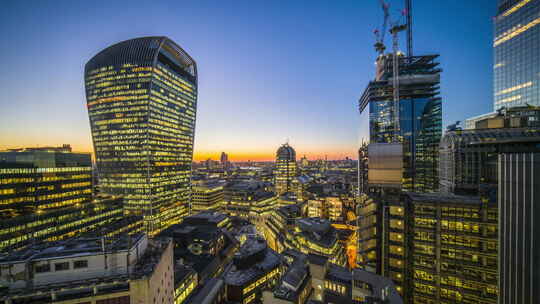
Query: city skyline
pixel 249 105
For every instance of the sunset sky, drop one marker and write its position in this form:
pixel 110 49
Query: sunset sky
pixel 269 71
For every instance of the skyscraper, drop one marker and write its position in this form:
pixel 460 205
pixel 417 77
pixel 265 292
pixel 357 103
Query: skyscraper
pixel 285 168
pixel 142 99
pixel 224 158
pixel 516 53
pixel 419 122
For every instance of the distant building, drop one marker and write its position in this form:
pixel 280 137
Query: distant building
pixel 120 270
pixel 46 194
pixel 470 123
pixel 142 99
pixel 286 169
pixel 335 209
pixel 519 235
pixel 224 159
pixel 304 162
pixel 255 268
pixel 516 54
pixel 317 208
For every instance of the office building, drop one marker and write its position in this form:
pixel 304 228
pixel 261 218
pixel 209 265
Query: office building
pixel 186 281
pixel 281 220
pixel 207 196
pixel 516 53
pixel 203 242
pixel 316 236
pixel 224 159
pixel 519 242
pixel 468 158
pixel 470 123
pixel 441 248
pixel 409 135
pixel 369 223
pixel 357 287
pixel 142 98
pixel 295 286
pixel 121 270
pixel 250 201
pixel 46 194
pixel 286 169
pixel 317 208
pixel 255 268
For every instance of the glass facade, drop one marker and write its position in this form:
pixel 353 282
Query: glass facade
pixel 516 64
pixel 419 126
pixel 142 100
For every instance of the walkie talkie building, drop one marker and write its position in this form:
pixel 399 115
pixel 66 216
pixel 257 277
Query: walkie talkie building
pixel 142 99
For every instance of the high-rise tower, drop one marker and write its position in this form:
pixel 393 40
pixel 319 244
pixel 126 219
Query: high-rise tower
pixel 285 168
pixel 516 53
pixel 419 126
pixel 142 99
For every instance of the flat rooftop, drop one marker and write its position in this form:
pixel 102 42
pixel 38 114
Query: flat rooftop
pixel 71 247
pixel 444 198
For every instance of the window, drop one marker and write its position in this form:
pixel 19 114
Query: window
pixel 43 268
pixel 61 266
pixel 80 264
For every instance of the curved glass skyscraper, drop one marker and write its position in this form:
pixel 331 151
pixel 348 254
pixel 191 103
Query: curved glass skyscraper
pixel 142 99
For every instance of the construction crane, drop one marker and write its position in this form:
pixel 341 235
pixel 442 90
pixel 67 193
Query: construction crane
pixel 408 10
pixel 395 30
pixel 379 44
pixel 396 27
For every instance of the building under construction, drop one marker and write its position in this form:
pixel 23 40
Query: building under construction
pixel 409 125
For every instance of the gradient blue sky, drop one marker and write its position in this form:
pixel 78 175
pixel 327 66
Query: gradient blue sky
pixel 268 70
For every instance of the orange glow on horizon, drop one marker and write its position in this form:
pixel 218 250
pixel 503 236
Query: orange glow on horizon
pixel 234 155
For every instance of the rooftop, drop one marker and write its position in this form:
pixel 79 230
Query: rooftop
pixel 444 198
pixel 318 230
pixel 294 280
pixel 257 260
pixel 72 248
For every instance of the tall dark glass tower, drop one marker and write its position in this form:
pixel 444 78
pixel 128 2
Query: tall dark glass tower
pixel 419 120
pixel 142 99
pixel 516 48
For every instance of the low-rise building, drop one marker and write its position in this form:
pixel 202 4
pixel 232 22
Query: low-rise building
pixel 203 243
pixel 255 268
pixel 127 269
pixel 316 236
pixel 295 285
pixel 207 196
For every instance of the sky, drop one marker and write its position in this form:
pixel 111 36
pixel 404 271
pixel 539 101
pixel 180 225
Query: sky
pixel 270 72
